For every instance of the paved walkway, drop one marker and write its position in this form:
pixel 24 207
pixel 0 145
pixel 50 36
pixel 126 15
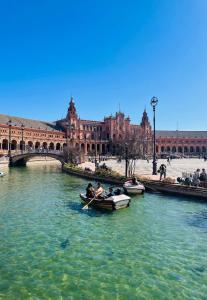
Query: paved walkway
pixel 143 168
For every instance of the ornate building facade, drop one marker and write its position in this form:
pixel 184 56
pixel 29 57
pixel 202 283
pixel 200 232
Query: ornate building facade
pixel 87 136
pixel 183 143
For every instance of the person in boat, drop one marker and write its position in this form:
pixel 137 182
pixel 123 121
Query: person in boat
pixel 134 180
pixel 117 192
pixel 90 192
pixel 99 191
pixel 110 193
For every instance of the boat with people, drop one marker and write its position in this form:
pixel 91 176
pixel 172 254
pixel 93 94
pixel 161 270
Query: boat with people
pixel 99 198
pixel 133 186
pixel 111 203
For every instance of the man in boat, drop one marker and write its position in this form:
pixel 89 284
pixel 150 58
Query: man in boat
pixel 90 192
pixel 99 191
pixel 134 180
pixel 110 193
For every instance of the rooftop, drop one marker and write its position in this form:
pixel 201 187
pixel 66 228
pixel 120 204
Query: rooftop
pixel 181 134
pixel 29 123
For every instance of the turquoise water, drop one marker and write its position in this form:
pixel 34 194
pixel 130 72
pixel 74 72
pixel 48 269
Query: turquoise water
pixel 52 249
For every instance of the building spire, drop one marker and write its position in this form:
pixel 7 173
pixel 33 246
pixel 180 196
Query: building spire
pixel 71 109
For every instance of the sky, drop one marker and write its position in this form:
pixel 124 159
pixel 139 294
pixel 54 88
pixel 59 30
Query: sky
pixel 106 54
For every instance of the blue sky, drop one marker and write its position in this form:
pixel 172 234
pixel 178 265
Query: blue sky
pixel 105 53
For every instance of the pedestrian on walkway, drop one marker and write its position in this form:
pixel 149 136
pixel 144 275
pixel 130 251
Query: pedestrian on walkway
pixel 162 171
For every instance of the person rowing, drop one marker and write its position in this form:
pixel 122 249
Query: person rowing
pixel 99 191
pixel 90 192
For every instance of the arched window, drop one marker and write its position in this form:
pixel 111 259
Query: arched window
pixel 191 149
pixel 180 149
pixel 162 149
pixel 204 149
pixel 58 146
pixel 44 145
pixel 197 149
pixel 51 146
pixel 5 144
pixel 13 145
pixel 37 145
pixel 186 149
pixel 173 149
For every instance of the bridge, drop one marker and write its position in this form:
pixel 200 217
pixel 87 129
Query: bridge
pixel 20 159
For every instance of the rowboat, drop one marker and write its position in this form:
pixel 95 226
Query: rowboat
pixel 111 203
pixel 131 188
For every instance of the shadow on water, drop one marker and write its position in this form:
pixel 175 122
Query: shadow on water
pixel 198 220
pixel 65 244
pixel 91 212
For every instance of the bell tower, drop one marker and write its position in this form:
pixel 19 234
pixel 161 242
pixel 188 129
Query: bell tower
pixel 146 133
pixel 72 114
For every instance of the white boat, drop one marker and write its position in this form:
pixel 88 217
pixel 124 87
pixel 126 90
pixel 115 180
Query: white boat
pixel 111 203
pixel 2 174
pixel 130 188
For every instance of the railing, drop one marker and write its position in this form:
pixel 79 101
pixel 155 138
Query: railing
pixel 36 151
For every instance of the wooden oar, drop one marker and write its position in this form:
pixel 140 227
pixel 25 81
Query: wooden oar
pixel 86 206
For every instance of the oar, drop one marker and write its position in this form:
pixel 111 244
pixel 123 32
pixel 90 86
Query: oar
pixel 86 206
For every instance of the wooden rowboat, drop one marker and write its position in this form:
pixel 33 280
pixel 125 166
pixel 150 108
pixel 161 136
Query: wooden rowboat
pixel 111 203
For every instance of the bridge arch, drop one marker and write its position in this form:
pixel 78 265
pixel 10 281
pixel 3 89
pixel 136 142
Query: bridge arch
pixel 22 159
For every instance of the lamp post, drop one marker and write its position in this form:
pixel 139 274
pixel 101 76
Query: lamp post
pixel 126 160
pixel 154 102
pixel 95 147
pixel 22 129
pixel 9 150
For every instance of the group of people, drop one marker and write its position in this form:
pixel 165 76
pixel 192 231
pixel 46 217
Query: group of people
pixel 194 179
pixel 99 192
pixel 199 176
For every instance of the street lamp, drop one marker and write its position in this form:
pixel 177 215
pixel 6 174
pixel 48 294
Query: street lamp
pixel 9 150
pixel 154 102
pixel 95 128
pixel 22 129
pixel 126 160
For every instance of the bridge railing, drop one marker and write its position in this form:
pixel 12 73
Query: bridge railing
pixel 37 151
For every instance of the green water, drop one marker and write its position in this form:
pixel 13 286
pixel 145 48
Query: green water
pixel 52 249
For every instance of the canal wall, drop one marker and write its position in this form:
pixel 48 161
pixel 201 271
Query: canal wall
pixel 79 172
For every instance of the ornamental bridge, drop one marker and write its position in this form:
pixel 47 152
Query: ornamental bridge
pixel 21 159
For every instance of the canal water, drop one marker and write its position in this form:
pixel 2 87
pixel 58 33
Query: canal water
pixel 52 249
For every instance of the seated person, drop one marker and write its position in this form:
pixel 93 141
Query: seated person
pixel 117 192
pixel 99 191
pixel 110 193
pixel 134 180
pixel 203 175
pixel 90 193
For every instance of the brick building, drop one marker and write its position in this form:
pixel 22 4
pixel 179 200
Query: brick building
pixel 187 143
pixel 87 136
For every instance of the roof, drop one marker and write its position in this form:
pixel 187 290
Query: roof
pixel 181 134
pixel 29 123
